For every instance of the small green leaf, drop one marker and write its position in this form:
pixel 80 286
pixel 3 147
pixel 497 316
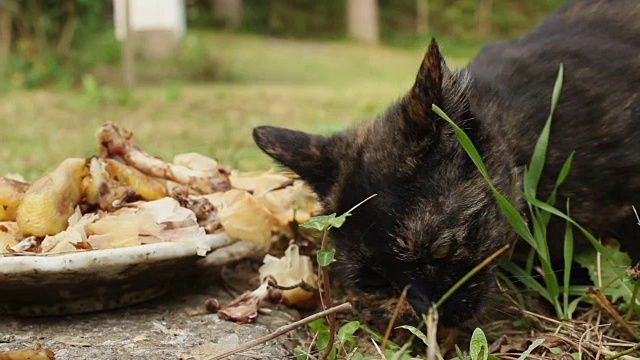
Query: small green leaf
pixel 326 257
pixel 555 350
pixel 573 305
pixel 346 331
pixel 322 339
pixel 478 347
pixel 415 331
pixel 612 269
pixel 320 222
pixel 317 325
pixel 333 353
pixel 531 347
pixel 337 221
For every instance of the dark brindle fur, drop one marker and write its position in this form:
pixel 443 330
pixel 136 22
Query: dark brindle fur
pixel 434 217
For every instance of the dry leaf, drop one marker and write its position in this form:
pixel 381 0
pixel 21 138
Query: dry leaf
pixel 258 183
pixel 296 199
pixel 290 270
pixel 8 232
pixel 144 223
pixel 245 308
pixel 244 218
pixel 65 241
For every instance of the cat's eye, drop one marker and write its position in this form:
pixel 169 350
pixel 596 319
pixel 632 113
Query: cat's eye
pixel 441 250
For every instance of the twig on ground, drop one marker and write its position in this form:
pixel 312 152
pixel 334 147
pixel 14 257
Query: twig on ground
pixel 636 347
pixel 283 330
pixel 313 341
pixel 302 285
pixel 396 311
pixel 599 298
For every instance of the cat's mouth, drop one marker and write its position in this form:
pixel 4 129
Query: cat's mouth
pixel 454 312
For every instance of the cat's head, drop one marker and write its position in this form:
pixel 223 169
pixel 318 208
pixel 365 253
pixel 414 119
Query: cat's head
pixel 433 218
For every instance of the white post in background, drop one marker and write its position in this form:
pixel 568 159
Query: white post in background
pixel 362 20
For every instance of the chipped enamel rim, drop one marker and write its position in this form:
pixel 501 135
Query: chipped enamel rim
pixel 91 261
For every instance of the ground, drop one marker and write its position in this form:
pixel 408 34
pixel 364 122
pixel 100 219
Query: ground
pixel 159 329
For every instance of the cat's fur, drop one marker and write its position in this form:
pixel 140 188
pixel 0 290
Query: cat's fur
pixel 434 217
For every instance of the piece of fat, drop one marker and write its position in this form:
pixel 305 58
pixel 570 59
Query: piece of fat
pixel 290 270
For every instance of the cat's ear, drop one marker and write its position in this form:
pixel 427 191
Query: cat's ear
pixel 434 84
pixel 306 154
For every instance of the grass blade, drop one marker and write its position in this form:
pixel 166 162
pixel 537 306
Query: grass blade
pixel 596 244
pixel 533 173
pixel 564 171
pixel 527 279
pixel 531 347
pixel 466 143
pixel 470 274
pixel 568 261
pixel 510 212
pixel 415 331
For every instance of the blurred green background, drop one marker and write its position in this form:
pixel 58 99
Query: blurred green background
pixel 297 63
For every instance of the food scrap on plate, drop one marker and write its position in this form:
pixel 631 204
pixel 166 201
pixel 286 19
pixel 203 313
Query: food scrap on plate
pixel 127 197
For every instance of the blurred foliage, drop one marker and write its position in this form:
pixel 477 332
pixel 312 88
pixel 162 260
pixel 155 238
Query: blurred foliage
pixel 55 42
pixel 326 19
pixel 53 39
pixel 194 59
pixel 192 62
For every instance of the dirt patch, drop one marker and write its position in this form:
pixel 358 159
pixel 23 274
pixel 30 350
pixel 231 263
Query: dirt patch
pixel 159 329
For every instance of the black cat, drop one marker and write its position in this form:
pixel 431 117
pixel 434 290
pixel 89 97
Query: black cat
pixel 434 217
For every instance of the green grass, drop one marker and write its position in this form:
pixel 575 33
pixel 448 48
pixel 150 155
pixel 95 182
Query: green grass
pixel 312 86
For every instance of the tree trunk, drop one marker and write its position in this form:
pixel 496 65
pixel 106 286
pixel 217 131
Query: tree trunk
pixel 229 11
pixel 422 16
pixel 5 33
pixel 68 30
pixel 484 16
pixel 362 20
